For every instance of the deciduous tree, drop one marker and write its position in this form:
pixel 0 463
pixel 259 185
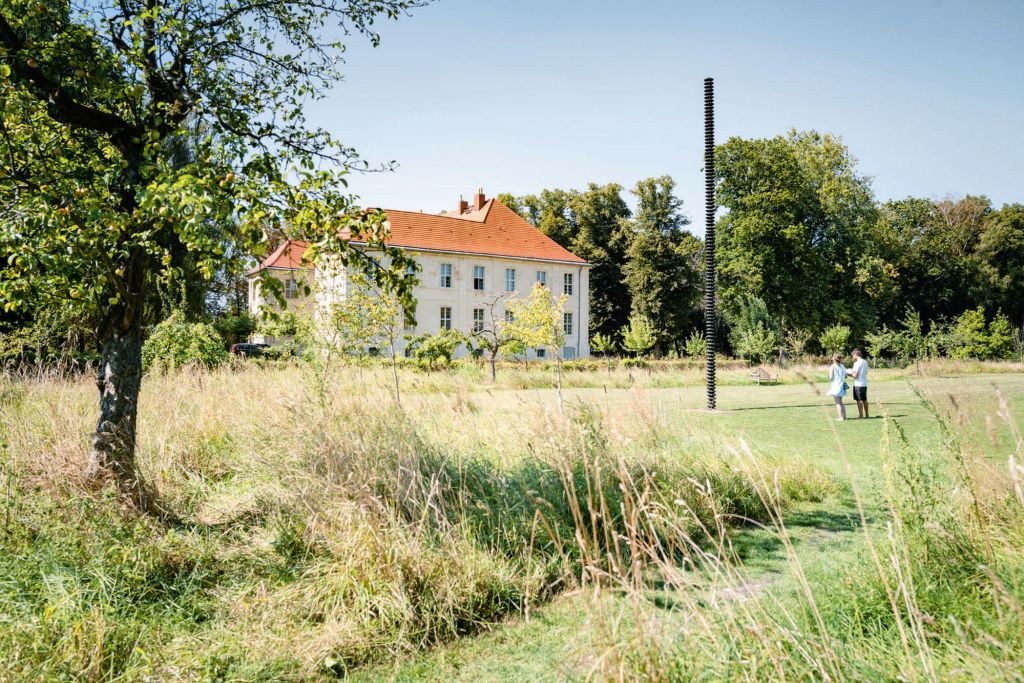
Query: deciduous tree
pixel 94 94
pixel 796 232
pixel 605 345
pixel 498 334
pixel 639 336
pixel 662 260
pixel 1000 255
pixel 587 223
pixel 537 321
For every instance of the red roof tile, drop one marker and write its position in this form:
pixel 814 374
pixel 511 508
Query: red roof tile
pixel 288 255
pixel 494 230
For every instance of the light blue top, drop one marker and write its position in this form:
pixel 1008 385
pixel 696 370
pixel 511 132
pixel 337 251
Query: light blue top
pixel 837 377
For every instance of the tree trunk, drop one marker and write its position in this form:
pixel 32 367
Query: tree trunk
pixel 558 374
pixel 394 372
pixel 494 372
pixel 119 379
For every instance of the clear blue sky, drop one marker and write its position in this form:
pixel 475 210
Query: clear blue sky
pixel 521 95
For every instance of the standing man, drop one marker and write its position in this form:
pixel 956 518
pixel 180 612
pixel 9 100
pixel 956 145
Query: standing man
pixel 859 373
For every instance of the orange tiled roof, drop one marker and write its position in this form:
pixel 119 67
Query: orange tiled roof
pixel 493 230
pixel 288 255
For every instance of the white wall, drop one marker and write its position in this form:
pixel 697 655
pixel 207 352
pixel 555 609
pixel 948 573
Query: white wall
pixel 462 298
pixel 260 300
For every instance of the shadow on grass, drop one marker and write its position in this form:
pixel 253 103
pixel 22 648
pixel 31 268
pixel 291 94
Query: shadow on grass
pixel 825 520
pixel 762 547
pixel 784 406
pixel 756 546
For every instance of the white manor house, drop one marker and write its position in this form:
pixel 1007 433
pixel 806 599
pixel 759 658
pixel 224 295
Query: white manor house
pixel 470 259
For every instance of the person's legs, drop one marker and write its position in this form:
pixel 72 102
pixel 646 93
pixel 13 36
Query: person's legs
pixel 840 408
pixel 860 395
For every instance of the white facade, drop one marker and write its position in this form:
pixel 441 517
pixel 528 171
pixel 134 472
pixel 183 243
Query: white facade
pixel 457 289
pixel 463 298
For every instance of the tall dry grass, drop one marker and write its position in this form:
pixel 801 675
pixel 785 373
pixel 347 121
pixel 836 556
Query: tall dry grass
pixel 324 527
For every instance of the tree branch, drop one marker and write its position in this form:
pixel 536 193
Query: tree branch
pixel 60 105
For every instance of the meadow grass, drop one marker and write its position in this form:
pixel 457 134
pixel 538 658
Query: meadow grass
pixel 325 529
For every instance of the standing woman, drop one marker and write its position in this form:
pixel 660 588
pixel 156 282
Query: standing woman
pixel 837 384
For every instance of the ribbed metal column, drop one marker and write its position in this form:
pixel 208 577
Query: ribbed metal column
pixel 710 270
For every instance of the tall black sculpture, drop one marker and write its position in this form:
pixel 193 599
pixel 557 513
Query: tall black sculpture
pixel 710 271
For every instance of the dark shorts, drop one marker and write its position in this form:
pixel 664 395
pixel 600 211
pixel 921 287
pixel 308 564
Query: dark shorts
pixel 860 393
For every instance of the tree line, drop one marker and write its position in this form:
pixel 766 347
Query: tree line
pixel 805 252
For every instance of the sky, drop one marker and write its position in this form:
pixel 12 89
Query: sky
pixel 522 95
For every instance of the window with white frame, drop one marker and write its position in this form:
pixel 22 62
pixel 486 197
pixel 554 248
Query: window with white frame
pixel 510 317
pixel 567 284
pixel 542 277
pixel 446 276
pixel 446 317
pixel 567 323
pixel 510 279
pixel 410 269
pixel 408 324
pixel 291 288
pixel 542 353
pixel 478 320
pixel 478 278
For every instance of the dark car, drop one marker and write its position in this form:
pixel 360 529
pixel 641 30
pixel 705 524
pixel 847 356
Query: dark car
pixel 247 349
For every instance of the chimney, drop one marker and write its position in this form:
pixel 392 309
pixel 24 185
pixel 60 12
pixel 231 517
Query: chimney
pixel 463 205
pixel 479 199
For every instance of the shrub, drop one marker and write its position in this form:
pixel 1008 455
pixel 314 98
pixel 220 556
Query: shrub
pixel 968 338
pixel 796 341
pixel 695 345
pixel 754 333
pixel 1000 338
pixel 287 324
pixel 175 343
pixel 638 337
pixel 835 339
pixel 914 342
pixel 911 343
pixel 882 343
pixel 433 350
pixel 971 337
pixel 756 344
pixel 235 328
pixel 603 344
pixel 580 365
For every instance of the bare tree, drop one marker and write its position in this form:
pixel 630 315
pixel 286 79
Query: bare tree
pixel 498 335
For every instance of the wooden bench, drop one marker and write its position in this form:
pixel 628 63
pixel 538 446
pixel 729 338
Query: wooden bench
pixel 762 376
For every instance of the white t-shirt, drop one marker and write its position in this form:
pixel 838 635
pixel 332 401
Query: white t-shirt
pixel 860 373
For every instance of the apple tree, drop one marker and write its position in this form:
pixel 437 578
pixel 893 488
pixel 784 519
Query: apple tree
pixel 95 98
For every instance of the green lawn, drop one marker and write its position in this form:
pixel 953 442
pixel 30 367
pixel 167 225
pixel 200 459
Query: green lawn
pixel 561 639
